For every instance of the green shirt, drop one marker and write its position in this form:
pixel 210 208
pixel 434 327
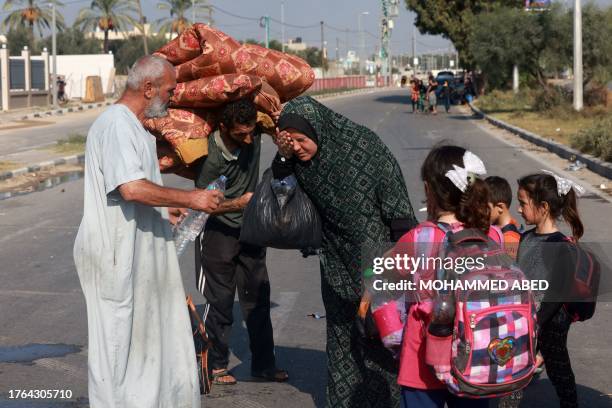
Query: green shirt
pixel 241 167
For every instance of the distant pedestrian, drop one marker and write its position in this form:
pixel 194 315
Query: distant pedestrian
pixel 61 89
pixel 141 352
pixel 422 95
pixel 445 95
pixel 414 95
pixel 432 100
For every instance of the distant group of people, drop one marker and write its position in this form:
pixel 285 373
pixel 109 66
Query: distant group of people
pixel 425 96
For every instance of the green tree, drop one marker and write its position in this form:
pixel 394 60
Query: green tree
pixel 126 52
pixel 17 38
pixel 179 11
pixel 33 15
pixel 509 36
pixel 596 43
pixel 108 15
pixel 274 44
pixel 73 41
pixel 454 19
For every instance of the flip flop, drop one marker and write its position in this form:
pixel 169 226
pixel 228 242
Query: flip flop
pixel 271 374
pixel 216 378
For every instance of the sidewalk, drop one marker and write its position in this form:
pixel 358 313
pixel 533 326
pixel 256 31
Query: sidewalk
pixel 23 114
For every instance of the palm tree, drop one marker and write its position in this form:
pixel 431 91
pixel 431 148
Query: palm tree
pixel 31 14
pixel 178 20
pixel 108 15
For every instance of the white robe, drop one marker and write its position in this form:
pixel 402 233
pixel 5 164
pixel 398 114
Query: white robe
pixel 141 351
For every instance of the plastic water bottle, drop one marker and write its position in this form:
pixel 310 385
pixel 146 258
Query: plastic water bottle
pixel 193 223
pixel 443 316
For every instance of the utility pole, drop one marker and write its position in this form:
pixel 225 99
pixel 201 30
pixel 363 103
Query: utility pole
pixel 54 53
pixel 578 97
pixel 283 23
pixel 264 22
pixel 193 12
pixel 143 21
pixel 337 49
pixel 322 50
pixel 414 56
pixel 362 47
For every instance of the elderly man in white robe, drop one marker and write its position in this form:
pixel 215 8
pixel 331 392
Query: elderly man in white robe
pixel 141 351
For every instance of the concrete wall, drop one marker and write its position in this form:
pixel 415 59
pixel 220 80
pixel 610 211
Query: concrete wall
pixel 76 68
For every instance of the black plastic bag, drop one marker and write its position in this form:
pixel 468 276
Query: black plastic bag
pixel 280 215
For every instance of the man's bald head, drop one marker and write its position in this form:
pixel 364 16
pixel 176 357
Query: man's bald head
pixel 148 68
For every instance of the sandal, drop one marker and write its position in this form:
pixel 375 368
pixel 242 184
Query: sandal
pixel 271 374
pixel 216 378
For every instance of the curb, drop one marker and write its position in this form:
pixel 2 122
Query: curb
pixel 63 111
pixel 74 159
pixel 593 163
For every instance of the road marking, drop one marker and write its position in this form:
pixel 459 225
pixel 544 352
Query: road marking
pixel 57 365
pixel 279 314
pixel 241 402
pixel 17 292
pixel 35 227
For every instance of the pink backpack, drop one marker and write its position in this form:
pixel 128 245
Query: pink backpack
pixel 491 351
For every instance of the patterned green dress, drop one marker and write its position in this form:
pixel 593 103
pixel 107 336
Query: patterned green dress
pixel 358 188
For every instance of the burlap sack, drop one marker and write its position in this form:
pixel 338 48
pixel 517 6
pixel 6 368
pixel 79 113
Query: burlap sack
pixel 214 92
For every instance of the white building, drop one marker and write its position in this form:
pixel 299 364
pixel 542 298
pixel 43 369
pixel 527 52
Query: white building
pixel 296 45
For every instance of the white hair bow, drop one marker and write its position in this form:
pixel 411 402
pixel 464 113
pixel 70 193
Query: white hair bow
pixel 565 185
pixel 462 176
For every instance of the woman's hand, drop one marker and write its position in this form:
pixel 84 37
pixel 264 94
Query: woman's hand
pixel 276 115
pixel 285 143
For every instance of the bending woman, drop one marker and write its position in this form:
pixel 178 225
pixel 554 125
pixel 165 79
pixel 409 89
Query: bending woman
pixel 359 190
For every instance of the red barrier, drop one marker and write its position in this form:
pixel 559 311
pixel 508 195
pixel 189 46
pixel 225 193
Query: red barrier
pixel 345 82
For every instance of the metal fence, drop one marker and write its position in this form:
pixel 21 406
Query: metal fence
pixel 37 75
pixel 346 82
pixel 17 74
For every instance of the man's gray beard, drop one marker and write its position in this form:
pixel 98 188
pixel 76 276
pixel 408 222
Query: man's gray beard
pixel 157 109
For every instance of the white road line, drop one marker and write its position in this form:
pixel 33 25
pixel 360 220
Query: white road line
pixel 17 292
pixel 279 314
pixel 26 230
pixel 57 365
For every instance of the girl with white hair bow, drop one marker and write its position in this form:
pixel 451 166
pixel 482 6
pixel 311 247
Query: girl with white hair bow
pixel 543 199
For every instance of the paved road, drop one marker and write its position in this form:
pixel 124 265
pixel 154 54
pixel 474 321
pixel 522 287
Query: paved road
pixel 41 302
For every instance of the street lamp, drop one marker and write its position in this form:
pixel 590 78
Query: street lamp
pixel 362 48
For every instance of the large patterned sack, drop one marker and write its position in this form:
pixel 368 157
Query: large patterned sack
pixel 185 130
pixel 196 40
pixel 183 48
pixel 213 92
pixel 287 74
